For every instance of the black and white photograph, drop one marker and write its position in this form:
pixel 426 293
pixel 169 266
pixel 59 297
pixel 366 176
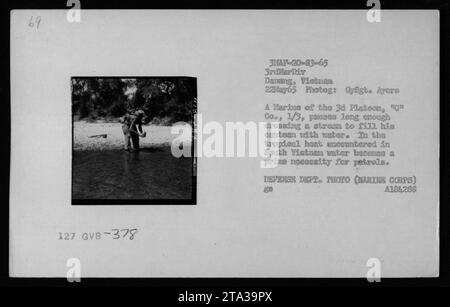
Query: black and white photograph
pixel 122 140
pixel 171 147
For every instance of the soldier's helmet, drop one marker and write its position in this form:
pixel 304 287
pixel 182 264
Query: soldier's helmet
pixel 140 113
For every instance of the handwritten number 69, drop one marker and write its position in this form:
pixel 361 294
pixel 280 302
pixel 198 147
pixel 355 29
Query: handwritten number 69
pixel 34 21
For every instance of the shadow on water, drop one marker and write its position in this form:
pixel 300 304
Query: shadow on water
pixel 151 173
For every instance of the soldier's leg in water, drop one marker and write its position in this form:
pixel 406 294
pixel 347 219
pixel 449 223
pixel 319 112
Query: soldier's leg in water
pixel 126 135
pixel 135 140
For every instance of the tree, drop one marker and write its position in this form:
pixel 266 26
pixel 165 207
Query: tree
pixel 165 97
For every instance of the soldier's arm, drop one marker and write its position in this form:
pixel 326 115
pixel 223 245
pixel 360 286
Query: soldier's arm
pixel 134 123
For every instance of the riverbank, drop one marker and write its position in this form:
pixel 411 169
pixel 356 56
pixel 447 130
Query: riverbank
pixel 83 130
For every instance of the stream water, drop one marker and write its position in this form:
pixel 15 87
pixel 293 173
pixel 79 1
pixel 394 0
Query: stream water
pixel 152 173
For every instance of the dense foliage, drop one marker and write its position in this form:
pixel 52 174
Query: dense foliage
pixel 168 99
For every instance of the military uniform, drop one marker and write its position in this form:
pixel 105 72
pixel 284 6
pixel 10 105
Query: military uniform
pixel 131 127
